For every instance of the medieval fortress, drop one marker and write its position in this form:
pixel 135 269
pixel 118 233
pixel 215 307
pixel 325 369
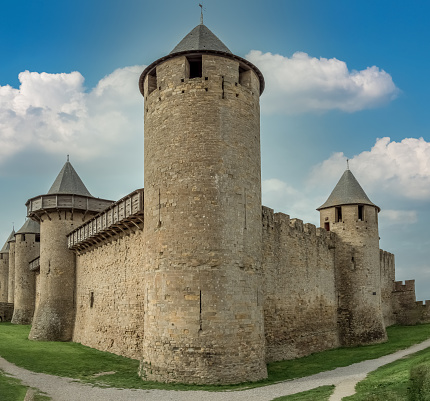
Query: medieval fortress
pixel 193 276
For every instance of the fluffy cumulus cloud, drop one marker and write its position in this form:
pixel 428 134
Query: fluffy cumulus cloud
pixel 54 113
pixel 399 169
pixel 308 84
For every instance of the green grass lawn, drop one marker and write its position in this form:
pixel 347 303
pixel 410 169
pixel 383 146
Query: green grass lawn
pixel 12 390
pixel 322 393
pixel 390 382
pixel 80 362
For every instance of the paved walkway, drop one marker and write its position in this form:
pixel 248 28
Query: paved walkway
pixel 65 389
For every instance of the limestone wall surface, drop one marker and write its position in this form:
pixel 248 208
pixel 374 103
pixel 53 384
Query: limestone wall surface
pixel 300 306
pixel 11 280
pixel 26 249
pixel 109 296
pixel 4 276
pixel 387 286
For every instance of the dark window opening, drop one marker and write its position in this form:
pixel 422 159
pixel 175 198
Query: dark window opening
pixel 196 66
pixel 338 214
pixel 361 212
pixel 22 237
pixel 152 81
pixel 327 226
pixel 91 299
pixel 1 256
pixel 37 237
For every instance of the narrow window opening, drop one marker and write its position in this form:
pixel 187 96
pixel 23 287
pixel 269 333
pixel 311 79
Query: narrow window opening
pixel 22 237
pixel 222 87
pixel 200 316
pixel 206 78
pixel 196 66
pixel 206 89
pixel 182 80
pixel 91 299
pixel 152 81
pixel 361 213
pixel 338 214
pixel 237 95
pixel 37 237
pixel 327 226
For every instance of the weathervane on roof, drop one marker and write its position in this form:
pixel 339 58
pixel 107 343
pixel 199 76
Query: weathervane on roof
pixel 201 13
pixel 67 157
pixel 347 164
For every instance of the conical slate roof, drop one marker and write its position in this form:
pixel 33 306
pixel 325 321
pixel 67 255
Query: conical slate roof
pixel 347 192
pixel 6 246
pixel 68 182
pixel 200 38
pixel 29 227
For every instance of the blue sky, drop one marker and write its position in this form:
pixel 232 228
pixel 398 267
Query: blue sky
pixel 342 77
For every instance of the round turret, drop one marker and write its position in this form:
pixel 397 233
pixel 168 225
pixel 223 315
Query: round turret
pixel 27 248
pixel 354 218
pixel 202 210
pixel 4 268
pixel 11 278
pixel 67 205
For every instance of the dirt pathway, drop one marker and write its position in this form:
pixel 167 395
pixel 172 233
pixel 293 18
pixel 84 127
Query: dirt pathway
pixel 65 389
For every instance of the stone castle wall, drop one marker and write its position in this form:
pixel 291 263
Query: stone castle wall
pixel 26 249
pixel 300 305
pixel 4 276
pixel 387 266
pixel 11 278
pixel 109 296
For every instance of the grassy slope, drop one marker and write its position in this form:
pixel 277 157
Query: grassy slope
pixel 76 361
pixel 12 390
pixel 390 382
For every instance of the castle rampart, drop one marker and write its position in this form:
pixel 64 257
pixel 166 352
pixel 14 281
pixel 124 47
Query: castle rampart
pixel 299 287
pixel 11 278
pixel 387 268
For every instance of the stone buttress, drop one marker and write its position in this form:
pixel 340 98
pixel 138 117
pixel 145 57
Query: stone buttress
pixel 203 307
pixel 350 214
pixel 27 248
pixel 66 205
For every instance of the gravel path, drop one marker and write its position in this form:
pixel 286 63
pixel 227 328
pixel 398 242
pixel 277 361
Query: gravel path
pixel 65 389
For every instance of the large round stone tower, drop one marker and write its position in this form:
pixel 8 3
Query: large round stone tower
pixel 11 278
pixel 27 248
pixel 66 205
pixel 4 268
pixel 203 308
pixel 354 218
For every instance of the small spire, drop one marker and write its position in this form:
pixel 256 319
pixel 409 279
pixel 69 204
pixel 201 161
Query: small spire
pixel 201 13
pixel 67 157
pixel 347 164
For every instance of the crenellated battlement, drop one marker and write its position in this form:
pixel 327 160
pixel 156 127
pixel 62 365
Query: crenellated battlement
pixel 408 285
pixel 295 227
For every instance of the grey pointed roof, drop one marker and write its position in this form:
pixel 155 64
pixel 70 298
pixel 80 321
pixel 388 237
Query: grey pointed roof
pixel 29 227
pixel 347 192
pixel 200 38
pixel 6 246
pixel 68 182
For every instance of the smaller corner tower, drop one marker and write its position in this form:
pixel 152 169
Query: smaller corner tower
pixel 350 214
pixel 11 278
pixel 27 248
pixel 67 205
pixel 4 268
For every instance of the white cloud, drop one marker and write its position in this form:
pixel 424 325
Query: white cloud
pixel 398 169
pixel 391 217
pixel 308 84
pixel 54 114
